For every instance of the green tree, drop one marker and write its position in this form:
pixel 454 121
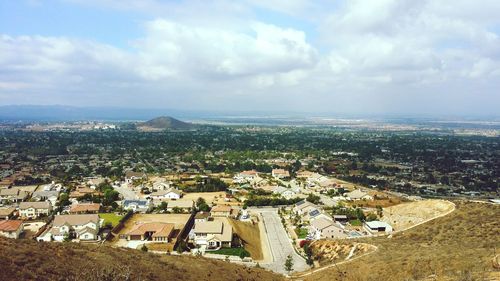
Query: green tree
pixel 243 254
pixel 144 248
pixel 289 263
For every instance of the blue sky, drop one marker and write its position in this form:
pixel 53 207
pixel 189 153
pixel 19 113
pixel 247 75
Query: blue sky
pixel 373 57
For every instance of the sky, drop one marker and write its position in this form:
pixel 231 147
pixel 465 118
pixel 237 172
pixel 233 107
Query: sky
pixel 429 57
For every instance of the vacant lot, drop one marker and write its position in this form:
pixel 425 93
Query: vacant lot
pixel 406 215
pixel 250 234
pixel 209 197
pixel 452 247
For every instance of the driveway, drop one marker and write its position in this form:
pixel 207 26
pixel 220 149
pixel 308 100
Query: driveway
pixel 126 192
pixel 279 243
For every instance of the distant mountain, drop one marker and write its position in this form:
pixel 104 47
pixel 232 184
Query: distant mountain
pixel 165 123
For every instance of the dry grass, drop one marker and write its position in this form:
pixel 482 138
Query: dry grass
pixel 328 251
pixel 250 234
pixel 29 260
pixel 209 197
pixel 459 246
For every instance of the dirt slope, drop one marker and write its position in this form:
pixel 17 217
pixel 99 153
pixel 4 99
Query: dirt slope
pixel 250 235
pixel 458 246
pixel 29 260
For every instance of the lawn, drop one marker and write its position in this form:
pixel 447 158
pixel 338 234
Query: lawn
pixel 356 223
pixel 301 232
pixel 228 251
pixel 112 218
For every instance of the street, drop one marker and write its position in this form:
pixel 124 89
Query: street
pixel 280 244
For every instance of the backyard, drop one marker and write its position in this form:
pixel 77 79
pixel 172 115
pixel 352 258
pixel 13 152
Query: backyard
pixel 230 251
pixel 110 218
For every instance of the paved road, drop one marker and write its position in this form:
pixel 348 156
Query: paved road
pixel 280 244
pixel 127 193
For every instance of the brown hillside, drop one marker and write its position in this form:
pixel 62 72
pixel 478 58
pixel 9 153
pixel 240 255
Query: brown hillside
pixel 29 260
pixel 459 246
pixel 250 235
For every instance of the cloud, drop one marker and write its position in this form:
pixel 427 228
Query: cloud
pixel 227 54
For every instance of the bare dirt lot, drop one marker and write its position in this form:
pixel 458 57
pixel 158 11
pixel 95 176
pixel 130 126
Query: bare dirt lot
pixel 250 234
pixel 406 215
pixel 209 197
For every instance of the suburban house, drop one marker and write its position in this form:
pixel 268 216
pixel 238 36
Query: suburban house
pixel 374 227
pixel 213 235
pixel 325 228
pixel 286 192
pixel 358 194
pixel 7 213
pixel 11 228
pixel 33 210
pixel 304 207
pixel 172 193
pixel 82 191
pixel 221 211
pixel 13 195
pixel 280 173
pixel 85 208
pixel 131 176
pixel 140 206
pixel 151 231
pixel 46 195
pixel 245 176
pixel 185 206
pixel 342 219
pixel 83 227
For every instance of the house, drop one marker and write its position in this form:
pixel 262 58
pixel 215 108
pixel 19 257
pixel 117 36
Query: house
pixel 43 195
pixel 140 206
pixel 185 206
pixel 342 219
pixel 245 176
pixel 82 227
pixel 85 208
pixel 280 173
pixel 303 207
pixel 151 231
pixel 172 193
pixel 33 210
pixel 7 213
pixel 11 228
pixel 213 235
pixel 286 192
pixel 221 211
pixel 374 227
pixel 326 228
pixel 312 214
pixel 358 194
pixel 13 195
pixel 83 191
pixel 131 176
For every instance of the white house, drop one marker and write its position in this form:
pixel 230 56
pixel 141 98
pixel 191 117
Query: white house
pixel 358 194
pixel 140 206
pixel 245 176
pixel 46 195
pixel 83 227
pixel 213 235
pixel 33 210
pixel 325 228
pixel 374 227
pixel 172 194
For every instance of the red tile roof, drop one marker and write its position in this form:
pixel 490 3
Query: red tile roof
pixel 10 225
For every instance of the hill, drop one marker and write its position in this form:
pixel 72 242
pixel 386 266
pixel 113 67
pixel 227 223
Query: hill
pixel 458 246
pixel 29 260
pixel 165 123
